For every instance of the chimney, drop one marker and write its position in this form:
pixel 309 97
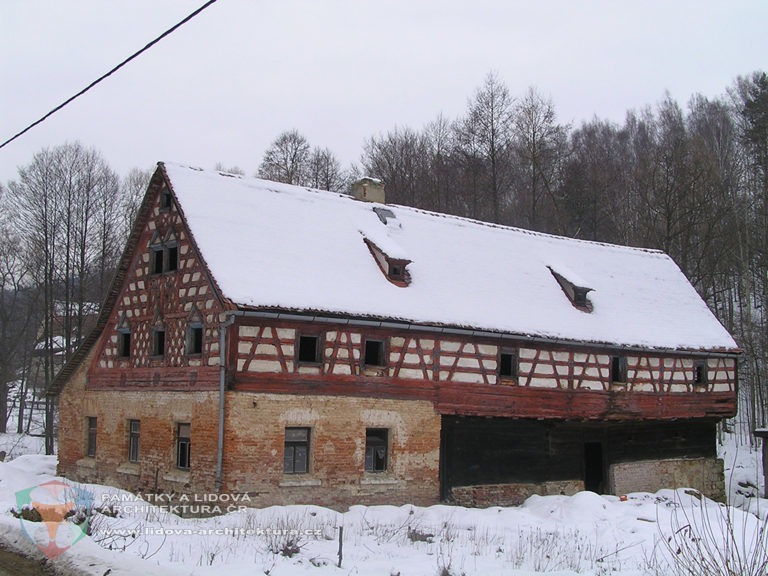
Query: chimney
pixel 369 190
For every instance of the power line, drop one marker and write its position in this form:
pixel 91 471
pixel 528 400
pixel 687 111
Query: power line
pixel 115 69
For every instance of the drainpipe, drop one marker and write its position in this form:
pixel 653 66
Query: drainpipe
pixel 222 390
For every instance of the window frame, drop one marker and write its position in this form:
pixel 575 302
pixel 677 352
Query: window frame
pixel 700 372
pixel 195 339
pixel 319 344
pixel 124 343
pixel 166 200
pixel 514 368
pixel 158 342
pixel 371 464
pixel 165 258
pixel 382 355
pixel 183 446
pixel 91 426
pixel 134 440
pixel 290 446
pixel 618 369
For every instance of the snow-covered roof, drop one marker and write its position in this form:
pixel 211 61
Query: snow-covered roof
pixel 271 245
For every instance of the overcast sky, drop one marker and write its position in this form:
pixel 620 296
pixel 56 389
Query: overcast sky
pixel 224 85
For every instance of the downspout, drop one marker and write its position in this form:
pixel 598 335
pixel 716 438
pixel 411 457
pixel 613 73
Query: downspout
pixel 222 393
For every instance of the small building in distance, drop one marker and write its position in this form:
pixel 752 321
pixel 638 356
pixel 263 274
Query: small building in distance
pixel 304 346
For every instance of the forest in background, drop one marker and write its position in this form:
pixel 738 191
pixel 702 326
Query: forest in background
pixel 690 180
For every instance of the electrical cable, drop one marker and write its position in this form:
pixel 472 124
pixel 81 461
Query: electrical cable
pixel 115 69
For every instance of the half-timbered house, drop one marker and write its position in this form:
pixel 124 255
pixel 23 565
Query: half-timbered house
pixel 305 346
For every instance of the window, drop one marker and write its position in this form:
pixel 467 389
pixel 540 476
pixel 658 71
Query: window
pixel 165 258
pixel 296 457
pixel 309 349
pixel 700 376
pixel 376 448
pixel 618 369
pixel 158 342
pixel 508 364
pixel 173 258
pixel 157 259
pixel 574 288
pixel 397 272
pixel 165 199
pixel 133 440
pixel 183 446
pixel 124 343
pixel 394 268
pixel 374 353
pixel 195 338
pixel 91 450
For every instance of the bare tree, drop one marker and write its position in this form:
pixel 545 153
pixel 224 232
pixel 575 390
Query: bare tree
pixel 229 170
pixel 324 171
pixel 485 138
pixel 286 159
pixel 66 199
pixel 17 316
pixel 540 146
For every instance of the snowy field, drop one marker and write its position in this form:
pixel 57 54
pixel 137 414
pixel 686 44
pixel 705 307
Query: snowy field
pixel 583 534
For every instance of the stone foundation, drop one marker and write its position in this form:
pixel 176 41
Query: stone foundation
pixel 511 494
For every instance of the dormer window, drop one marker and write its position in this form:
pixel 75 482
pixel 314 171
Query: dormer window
pixel 575 289
pixel 393 268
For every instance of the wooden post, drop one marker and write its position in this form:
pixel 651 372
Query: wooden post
pixel 763 434
pixel 341 541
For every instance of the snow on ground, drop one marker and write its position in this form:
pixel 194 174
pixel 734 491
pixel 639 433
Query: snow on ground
pixel 580 534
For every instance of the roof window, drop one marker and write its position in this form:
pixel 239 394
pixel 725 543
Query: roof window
pixel 393 268
pixel 574 288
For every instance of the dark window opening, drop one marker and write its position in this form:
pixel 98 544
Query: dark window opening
pixel 296 456
pixel 165 199
pixel 124 344
pixel 309 349
pixel 508 364
pixel 700 368
pixel 195 339
pixel 158 342
pixel 376 449
pixel 183 446
pixel 91 451
pixel 173 258
pixel 374 353
pixel 157 260
pixel 618 369
pixel 133 440
pixel 165 258
pixel 580 297
pixel 396 272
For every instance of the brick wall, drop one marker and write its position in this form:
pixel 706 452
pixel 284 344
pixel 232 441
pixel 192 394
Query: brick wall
pixel 159 413
pixel 254 445
pixel 255 439
pixel 705 474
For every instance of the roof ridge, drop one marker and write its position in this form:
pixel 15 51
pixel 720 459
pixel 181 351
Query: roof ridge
pixel 526 231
